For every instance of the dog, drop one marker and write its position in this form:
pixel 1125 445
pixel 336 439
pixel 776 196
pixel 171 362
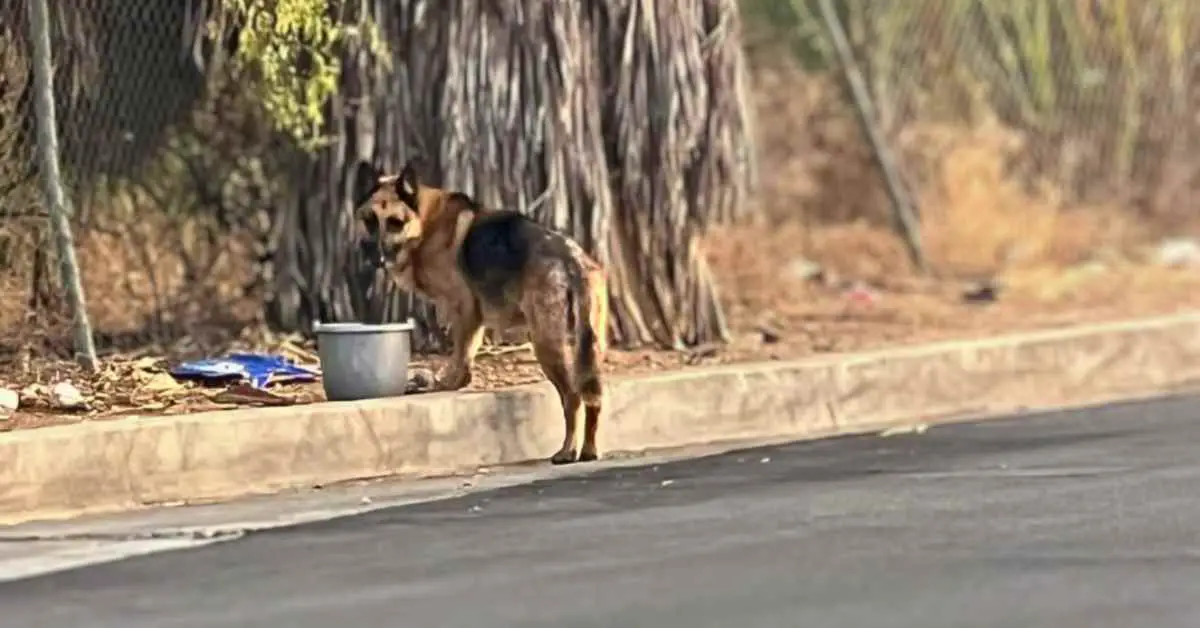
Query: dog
pixel 495 269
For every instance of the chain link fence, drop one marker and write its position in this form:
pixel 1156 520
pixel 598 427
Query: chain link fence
pixel 1024 130
pixel 57 207
pixel 164 165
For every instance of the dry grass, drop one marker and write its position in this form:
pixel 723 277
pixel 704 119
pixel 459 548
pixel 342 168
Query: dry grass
pixel 814 166
pixel 980 220
pixel 166 273
pixel 150 281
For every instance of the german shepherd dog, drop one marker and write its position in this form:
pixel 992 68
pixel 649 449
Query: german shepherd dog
pixel 497 269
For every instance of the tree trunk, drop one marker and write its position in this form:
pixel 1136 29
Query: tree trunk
pixel 621 124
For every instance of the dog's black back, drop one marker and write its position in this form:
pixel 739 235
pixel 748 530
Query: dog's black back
pixel 499 247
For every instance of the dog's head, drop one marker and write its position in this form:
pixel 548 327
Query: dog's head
pixel 388 209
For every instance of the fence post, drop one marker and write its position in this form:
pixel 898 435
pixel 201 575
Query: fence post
pixel 903 208
pixel 56 199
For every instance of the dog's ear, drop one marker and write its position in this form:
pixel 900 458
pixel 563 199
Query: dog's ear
pixel 366 181
pixel 408 183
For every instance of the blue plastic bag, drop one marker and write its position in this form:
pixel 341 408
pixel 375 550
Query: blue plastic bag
pixel 256 369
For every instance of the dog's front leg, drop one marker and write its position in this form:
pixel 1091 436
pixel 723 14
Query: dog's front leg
pixel 467 335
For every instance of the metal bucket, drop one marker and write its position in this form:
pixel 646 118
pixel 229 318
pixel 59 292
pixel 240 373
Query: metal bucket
pixel 362 361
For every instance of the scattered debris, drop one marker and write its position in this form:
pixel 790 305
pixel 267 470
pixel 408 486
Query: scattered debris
pixel 805 270
pixel 9 401
pixel 701 352
pixel 258 370
pixel 1178 252
pixel 66 396
pixel 982 292
pixel 862 294
pixel 161 383
pixel 34 395
pixel 769 334
pixel 245 394
pixel 496 350
pixel 917 428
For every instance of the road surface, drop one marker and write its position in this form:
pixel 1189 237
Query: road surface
pixel 1087 519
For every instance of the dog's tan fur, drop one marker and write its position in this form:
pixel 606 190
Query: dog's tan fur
pixel 500 270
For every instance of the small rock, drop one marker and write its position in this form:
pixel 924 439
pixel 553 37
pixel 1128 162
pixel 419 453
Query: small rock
pixel 161 383
pixel 919 428
pixel 9 400
pixel 35 394
pixel 982 292
pixel 67 397
pixel 365 501
pixel 805 270
pixel 769 335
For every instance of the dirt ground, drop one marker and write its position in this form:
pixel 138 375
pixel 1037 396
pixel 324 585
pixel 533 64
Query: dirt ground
pixel 789 292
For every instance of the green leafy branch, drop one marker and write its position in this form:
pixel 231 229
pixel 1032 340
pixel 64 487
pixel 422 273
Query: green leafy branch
pixel 293 51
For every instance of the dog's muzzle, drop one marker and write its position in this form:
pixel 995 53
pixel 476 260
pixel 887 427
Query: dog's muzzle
pixel 372 253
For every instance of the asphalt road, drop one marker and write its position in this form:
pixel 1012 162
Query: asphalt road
pixel 1072 519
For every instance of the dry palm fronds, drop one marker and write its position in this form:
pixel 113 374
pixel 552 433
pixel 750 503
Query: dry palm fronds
pixel 623 124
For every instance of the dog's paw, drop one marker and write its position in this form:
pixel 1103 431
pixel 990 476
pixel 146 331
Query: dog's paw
pixel 420 380
pixel 564 456
pixel 454 380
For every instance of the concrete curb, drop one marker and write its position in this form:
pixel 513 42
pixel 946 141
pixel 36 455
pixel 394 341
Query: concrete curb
pixel 112 465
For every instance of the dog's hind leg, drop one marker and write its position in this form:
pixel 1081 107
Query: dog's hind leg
pixel 589 452
pixel 591 343
pixel 554 365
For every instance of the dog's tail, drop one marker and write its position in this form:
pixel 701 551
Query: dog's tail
pixel 588 343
